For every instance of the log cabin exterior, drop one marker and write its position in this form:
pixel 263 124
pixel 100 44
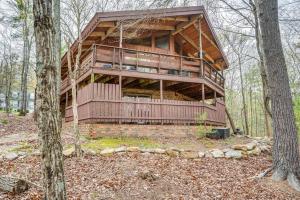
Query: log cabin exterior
pixel 162 66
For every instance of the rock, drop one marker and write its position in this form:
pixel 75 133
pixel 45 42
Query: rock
pixel 172 152
pixel 217 153
pixel 208 154
pixel 189 154
pixel 250 146
pixel 226 150
pixel 265 148
pixel 120 149
pixel 176 149
pixel 36 153
pixel 254 152
pixel 234 154
pixel 69 152
pixel 89 151
pixel 201 154
pixel 159 151
pixel 11 156
pixel 107 151
pixel 241 147
pixel 133 149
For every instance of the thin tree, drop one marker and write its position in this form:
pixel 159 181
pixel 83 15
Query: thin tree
pixel 286 160
pixel 48 117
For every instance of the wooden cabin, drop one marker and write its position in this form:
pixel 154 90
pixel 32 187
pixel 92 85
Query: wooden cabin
pixel 162 66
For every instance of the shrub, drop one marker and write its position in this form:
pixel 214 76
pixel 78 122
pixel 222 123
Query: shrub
pixel 202 129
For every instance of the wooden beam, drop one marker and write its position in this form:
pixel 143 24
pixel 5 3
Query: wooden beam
pixel 97 34
pixel 200 47
pixel 189 40
pixel 106 24
pixel 187 87
pixel 128 81
pixel 150 27
pixel 178 18
pixel 182 26
pixel 203 93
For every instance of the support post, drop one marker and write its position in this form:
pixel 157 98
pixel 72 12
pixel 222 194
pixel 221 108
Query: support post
pixel 200 47
pixel 120 96
pixel 121 45
pixel 67 96
pixel 161 99
pixel 215 97
pixel 92 78
pixel 203 93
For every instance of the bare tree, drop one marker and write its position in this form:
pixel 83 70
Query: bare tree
pixel 48 120
pixel 286 160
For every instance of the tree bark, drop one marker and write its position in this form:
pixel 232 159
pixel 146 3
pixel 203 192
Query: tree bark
pixel 286 161
pixel 48 117
pixel 25 64
pixel 12 185
pixel 230 120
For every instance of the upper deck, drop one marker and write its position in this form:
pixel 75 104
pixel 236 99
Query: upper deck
pixel 111 60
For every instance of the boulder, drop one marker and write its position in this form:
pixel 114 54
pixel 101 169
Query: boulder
pixel 234 154
pixel 11 156
pixel 254 152
pixel 133 149
pixel 120 149
pixel 201 154
pixel 208 154
pixel 68 152
pixel 89 151
pixel 159 151
pixel 217 153
pixel 172 153
pixel 250 146
pixel 189 154
pixel 241 147
pixel 107 151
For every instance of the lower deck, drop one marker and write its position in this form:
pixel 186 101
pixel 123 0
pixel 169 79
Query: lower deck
pixel 110 103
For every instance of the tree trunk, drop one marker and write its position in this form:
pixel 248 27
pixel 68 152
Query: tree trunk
pixel 230 120
pixel 244 97
pixel 12 185
pixel 286 161
pixel 262 67
pixel 48 117
pixel 75 118
pixel 25 66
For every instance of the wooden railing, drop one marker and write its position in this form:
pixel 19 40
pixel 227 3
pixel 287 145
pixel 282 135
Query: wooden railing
pixel 102 103
pixel 151 62
pixel 110 57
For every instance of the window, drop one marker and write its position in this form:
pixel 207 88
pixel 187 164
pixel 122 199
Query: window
pixel 140 41
pixel 162 42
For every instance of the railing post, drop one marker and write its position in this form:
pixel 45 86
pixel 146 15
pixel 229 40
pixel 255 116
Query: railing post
pixel 200 47
pixel 113 59
pixel 180 65
pixel 120 96
pixel 203 93
pixel 161 100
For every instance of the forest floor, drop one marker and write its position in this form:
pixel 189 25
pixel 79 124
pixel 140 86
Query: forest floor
pixel 136 175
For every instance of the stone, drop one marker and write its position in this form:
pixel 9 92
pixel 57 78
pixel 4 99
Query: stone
pixel 159 151
pixel 89 151
pixel 189 154
pixel 254 152
pixel 148 175
pixel 217 153
pixel 11 156
pixel 133 149
pixel 176 149
pixel 120 149
pixel 69 152
pixel 172 152
pixel 201 154
pixel 234 154
pixel 36 153
pixel 250 146
pixel 241 147
pixel 208 154
pixel 107 151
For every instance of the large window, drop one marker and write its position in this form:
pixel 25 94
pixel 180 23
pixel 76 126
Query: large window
pixel 162 42
pixel 140 41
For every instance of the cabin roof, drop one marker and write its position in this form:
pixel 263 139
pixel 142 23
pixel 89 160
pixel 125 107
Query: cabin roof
pixel 179 20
